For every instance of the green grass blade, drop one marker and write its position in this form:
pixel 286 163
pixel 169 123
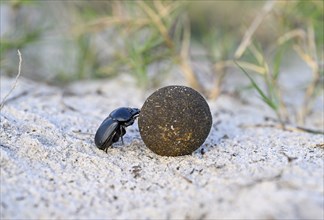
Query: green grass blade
pixel 264 97
pixel 277 61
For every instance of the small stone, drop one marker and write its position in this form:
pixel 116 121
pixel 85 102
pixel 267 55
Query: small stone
pixel 174 121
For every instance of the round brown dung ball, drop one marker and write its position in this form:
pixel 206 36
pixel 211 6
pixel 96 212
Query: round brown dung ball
pixel 174 121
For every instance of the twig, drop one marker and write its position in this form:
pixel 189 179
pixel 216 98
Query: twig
pixel 80 132
pixel 24 93
pixel 321 145
pixel 186 179
pixel 286 128
pixel 15 83
pixel 299 128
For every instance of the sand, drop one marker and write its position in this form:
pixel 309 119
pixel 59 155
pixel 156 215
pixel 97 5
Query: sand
pixel 247 167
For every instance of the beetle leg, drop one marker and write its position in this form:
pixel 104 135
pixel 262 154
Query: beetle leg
pixel 122 133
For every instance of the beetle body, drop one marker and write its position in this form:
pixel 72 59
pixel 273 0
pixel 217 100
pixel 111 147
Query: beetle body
pixel 114 126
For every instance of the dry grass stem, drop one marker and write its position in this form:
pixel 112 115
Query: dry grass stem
pixel 117 9
pixel 220 66
pixel 311 42
pixel 15 83
pixel 185 48
pixel 253 27
pixel 185 59
pixel 220 69
pixel 283 111
pixel 257 54
pixel 102 23
pixel 297 33
pixel 309 55
pixel 157 22
pixel 166 10
pixel 258 69
pixel 215 92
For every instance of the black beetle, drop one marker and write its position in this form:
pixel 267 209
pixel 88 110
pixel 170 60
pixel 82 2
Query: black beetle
pixel 113 127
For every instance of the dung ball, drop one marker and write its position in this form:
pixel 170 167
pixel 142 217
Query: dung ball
pixel 174 121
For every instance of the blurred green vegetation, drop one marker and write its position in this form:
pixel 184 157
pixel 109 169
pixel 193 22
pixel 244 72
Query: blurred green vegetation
pixel 147 39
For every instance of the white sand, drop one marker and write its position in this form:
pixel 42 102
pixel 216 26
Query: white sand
pixel 50 167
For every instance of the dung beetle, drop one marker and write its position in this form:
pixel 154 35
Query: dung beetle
pixel 113 127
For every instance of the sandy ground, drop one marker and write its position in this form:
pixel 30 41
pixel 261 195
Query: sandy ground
pixel 50 167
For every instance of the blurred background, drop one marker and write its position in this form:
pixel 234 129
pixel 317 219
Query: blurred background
pixel 196 41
